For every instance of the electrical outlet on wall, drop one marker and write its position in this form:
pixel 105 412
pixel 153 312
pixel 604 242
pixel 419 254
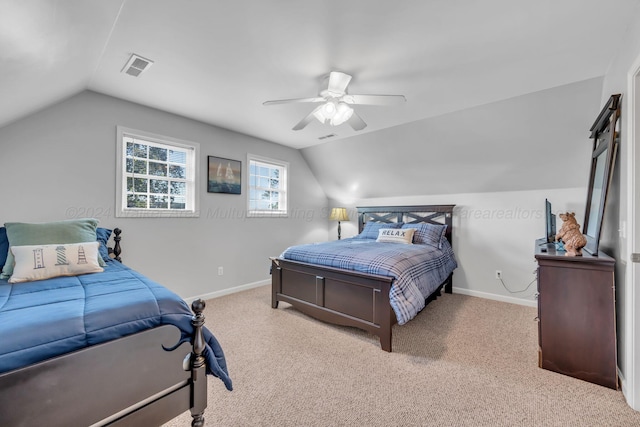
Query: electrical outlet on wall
pixel 498 274
pixel 220 271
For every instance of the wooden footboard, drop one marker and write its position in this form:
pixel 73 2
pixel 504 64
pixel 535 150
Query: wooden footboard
pixel 350 298
pixel 130 381
pixel 336 296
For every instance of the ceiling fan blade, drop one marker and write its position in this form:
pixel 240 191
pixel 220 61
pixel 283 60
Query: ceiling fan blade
pixel 356 122
pixel 304 122
pixel 374 99
pixel 338 82
pixel 295 100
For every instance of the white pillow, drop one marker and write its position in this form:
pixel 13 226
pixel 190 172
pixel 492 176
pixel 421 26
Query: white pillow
pixel 37 262
pixel 396 235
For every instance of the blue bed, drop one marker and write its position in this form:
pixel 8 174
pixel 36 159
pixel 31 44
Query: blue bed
pixel 47 318
pixel 401 259
pixel 418 270
pixel 115 335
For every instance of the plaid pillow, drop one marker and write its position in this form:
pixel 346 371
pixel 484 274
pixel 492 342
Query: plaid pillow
pixel 428 234
pixel 371 229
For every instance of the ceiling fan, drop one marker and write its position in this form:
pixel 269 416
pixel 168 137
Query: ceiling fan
pixel 335 108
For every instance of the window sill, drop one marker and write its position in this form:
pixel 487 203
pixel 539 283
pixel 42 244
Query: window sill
pixel 146 213
pixel 267 214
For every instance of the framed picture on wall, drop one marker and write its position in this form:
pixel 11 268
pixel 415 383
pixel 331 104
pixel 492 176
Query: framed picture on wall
pixel 224 175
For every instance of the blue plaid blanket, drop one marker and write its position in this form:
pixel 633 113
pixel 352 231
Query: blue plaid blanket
pixel 418 269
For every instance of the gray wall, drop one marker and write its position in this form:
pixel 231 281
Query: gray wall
pixel 59 163
pixel 493 231
pixel 529 142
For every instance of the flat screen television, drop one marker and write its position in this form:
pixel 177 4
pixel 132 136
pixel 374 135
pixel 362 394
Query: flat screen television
pixel 550 222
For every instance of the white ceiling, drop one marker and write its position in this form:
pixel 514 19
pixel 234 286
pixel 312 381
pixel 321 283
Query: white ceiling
pixel 218 61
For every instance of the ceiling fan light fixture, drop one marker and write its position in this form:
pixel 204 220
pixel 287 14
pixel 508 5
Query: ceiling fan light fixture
pixel 326 112
pixel 318 114
pixel 333 113
pixel 329 109
pixel 343 113
pixel 335 104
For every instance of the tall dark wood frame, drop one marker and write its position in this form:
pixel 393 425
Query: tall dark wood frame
pixel 604 133
pixel 350 298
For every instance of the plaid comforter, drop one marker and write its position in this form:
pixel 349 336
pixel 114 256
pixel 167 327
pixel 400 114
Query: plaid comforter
pixel 418 269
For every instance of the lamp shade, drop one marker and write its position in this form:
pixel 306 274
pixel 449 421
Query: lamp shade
pixel 339 214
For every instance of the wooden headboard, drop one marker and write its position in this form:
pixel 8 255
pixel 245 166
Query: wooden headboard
pixel 433 214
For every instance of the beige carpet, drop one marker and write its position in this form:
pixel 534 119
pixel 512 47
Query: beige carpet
pixel 463 361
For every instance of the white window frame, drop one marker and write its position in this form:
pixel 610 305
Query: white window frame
pixel 281 213
pixel 193 172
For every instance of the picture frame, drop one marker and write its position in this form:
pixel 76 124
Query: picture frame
pixel 224 175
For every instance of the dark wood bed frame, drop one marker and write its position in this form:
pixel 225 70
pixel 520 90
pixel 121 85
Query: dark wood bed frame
pixel 131 381
pixel 350 298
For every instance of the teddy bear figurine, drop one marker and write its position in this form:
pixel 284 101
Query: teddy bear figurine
pixel 570 235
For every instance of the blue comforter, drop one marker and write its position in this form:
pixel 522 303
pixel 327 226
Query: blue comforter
pixel 418 269
pixel 47 318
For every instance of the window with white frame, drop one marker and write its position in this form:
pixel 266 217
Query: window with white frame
pixel 156 175
pixel 268 187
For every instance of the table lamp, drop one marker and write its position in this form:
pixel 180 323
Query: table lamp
pixel 339 214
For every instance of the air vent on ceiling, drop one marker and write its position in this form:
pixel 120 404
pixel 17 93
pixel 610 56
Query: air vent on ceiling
pixel 331 135
pixel 136 65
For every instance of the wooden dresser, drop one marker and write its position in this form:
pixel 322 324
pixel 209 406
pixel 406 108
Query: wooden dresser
pixel 576 315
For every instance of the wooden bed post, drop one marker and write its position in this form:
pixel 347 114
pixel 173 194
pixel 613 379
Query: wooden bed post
pixel 117 250
pixel 384 315
pixel 276 282
pixel 198 366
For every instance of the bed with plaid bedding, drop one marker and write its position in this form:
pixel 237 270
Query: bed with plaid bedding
pixel 418 270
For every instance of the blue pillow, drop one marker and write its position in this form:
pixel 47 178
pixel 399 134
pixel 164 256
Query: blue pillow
pixel 4 246
pixel 370 230
pixel 428 234
pixel 102 235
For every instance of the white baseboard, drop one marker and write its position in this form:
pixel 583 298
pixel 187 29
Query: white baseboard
pixel 486 295
pixel 224 292
pixel 623 385
pixel 456 290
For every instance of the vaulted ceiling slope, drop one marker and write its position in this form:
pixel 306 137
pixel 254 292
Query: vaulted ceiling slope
pixel 218 61
pixel 534 141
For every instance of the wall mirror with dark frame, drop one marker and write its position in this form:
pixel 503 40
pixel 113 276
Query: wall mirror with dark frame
pixel 604 133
